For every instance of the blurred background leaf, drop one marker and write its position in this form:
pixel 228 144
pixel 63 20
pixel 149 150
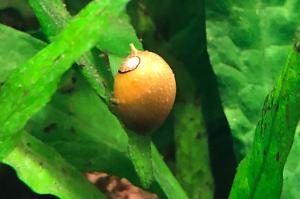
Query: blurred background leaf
pixel 248 43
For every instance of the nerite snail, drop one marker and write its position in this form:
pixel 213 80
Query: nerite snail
pixel 144 91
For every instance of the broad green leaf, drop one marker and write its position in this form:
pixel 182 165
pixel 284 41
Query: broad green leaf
pixel 139 151
pixel 45 171
pixel 33 160
pixel 31 85
pixel 52 16
pixel 191 138
pixel 20 51
pixel 80 126
pixel 194 170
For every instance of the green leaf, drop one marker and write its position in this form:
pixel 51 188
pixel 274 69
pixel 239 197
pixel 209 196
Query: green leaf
pixel 14 53
pixel 191 138
pixel 81 127
pixel 165 178
pixel 139 150
pixel 115 43
pixel 193 170
pixel 45 171
pixel 260 173
pixel 33 160
pixel 52 16
pixel 31 86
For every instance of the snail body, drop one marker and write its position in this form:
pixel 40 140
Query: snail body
pixel 144 91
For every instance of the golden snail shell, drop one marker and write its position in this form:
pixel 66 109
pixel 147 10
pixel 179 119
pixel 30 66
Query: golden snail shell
pixel 144 91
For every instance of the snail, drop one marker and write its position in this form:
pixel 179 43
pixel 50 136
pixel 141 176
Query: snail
pixel 144 91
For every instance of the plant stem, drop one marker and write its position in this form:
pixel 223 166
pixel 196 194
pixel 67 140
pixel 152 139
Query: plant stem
pixel 139 150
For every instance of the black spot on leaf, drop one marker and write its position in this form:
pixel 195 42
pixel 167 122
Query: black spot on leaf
pixel 277 156
pixel 199 135
pixel 297 46
pixel 64 170
pixel 58 58
pixel 50 127
pixel 25 92
pixel 69 86
pixel 73 130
